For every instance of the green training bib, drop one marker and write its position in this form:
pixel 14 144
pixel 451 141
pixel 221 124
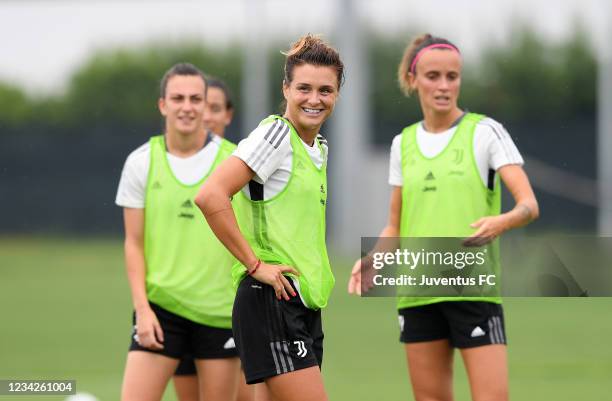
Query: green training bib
pixel 289 228
pixel 443 195
pixel 187 268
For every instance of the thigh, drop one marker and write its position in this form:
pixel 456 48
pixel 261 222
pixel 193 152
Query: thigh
pixel 300 385
pixel 487 368
pixel 186 387
pixel 261 392
pixel 430 364
pixel 246 392
pixel 146 376
pixel 186 380
pixel 218 378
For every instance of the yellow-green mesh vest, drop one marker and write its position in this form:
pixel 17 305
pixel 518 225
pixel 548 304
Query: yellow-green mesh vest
pixel 289 228
pixel 443 195
pixel 187 268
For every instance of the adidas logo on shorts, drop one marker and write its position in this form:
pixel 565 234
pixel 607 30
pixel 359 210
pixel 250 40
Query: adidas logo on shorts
pixel 229 343
pixel 477 332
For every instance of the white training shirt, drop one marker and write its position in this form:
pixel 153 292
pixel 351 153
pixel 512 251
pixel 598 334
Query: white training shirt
pixel 133 184
pixel 493 148
pixel 267 151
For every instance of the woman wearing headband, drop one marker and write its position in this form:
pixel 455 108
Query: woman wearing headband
pixel 454 193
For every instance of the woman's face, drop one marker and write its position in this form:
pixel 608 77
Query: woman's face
pixel 437 80
pixel 311 96
pixel 216 115
pixel 183 106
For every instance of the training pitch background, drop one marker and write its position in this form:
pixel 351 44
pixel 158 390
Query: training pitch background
pixel 66 314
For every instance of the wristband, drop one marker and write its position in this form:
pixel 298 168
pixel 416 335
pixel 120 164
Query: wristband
pixel 254 269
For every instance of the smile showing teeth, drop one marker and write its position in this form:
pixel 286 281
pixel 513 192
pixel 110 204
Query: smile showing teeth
pixel 311 111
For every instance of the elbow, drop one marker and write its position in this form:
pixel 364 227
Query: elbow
pixel 210 198
pixel 202 198
pixel 535 210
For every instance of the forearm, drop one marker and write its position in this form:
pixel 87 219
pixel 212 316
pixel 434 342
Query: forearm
pixel 217 209
pixel 523 213
pixel 136 274
pixel 387 240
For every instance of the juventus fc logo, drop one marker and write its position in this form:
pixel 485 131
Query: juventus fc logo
pixel 301 348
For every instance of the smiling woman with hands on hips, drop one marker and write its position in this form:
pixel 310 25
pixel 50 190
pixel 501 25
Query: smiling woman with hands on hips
pixel 284 277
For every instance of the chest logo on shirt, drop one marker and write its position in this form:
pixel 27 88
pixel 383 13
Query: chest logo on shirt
pixel 156 185
pixel 187 210
pixel 430 176
pixel 458 156
pixel 323 199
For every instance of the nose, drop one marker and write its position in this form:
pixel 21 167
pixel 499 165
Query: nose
pixel 443 83
pixel 313 98
pixel 187 105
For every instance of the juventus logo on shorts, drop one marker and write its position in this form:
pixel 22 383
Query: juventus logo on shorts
pixel 301 348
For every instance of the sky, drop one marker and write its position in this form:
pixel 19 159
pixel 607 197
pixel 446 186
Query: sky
pixel 43 42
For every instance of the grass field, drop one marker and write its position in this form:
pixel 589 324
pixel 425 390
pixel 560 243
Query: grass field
pixel 66 315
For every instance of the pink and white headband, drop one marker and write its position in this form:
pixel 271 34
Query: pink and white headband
pixel 423 50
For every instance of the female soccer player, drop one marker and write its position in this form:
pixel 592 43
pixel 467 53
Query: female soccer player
pixel 218 116
pixel 284 274
pixel 457 156
pixel 176 267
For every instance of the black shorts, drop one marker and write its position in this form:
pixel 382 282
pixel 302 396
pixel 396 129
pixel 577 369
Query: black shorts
pixel 184 337
pixel 274 336
pixel 465 324
pixel 186 367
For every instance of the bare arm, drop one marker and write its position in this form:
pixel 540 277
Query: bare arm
pixel 213 199
pixel 391 230
pixel 148 329
pixel 525 210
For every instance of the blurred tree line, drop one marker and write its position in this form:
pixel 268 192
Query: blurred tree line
pixel 115 88
pixel 528 80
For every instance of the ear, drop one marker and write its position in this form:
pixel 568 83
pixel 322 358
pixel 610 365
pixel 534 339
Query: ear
pixel 230 116
pixel 285 89
pixel 412 80
pixel 161 105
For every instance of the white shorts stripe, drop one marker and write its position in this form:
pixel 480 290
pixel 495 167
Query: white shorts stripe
pixel 278 371
pixel 281 357
pixel 291 368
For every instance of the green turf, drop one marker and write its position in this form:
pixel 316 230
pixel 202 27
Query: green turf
pixel 66 315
